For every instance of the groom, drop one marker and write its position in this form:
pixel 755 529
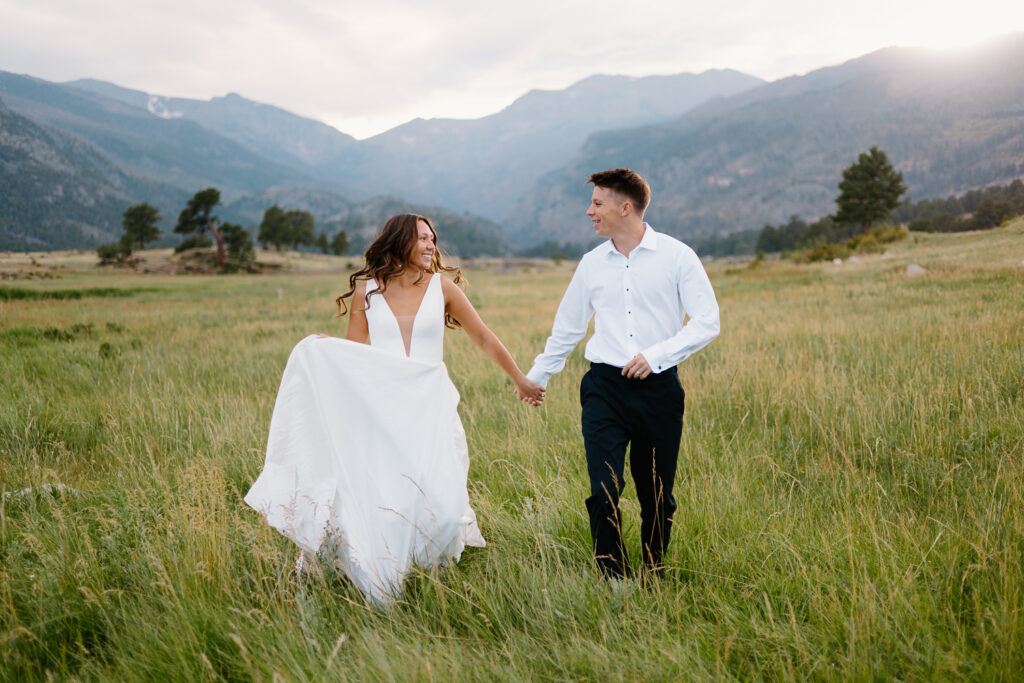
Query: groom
pixel 638 285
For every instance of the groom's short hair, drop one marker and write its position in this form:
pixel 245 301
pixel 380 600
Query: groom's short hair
pixel 627 183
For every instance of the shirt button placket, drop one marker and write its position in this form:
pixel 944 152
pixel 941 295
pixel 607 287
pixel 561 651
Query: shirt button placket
pixel 628 300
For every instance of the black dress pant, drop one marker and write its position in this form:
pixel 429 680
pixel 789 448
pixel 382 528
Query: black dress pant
pixel 647 415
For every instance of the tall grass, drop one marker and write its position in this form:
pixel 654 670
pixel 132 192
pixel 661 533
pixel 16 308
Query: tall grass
pixel 849 492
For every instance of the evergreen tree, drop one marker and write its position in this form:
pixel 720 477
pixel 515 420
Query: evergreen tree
pixel 870 189
pixel 140 225
pixel 991 212
pixel 239 242
pixel 339 243
pixel 768 240
pixel 300 228
pixel 1015 192
pixel 274 230
pixel 197 217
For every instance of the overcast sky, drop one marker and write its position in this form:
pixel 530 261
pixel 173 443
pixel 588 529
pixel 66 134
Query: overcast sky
pixel 367 66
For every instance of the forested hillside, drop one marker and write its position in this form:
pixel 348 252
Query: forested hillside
pixel 57 191
pixel 949 123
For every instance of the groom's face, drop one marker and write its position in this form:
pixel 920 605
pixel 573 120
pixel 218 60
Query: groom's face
pixel 606 211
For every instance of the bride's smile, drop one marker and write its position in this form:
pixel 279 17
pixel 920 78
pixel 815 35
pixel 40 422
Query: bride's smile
pixel 425 246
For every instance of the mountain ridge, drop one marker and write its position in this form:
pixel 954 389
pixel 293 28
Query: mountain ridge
pixel 246 149
pixel 268 130
pixel 723 151
pixel 761 156
pixel 482 165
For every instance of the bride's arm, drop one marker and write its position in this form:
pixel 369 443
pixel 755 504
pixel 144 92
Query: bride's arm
pixel 458 306
pixel 358 330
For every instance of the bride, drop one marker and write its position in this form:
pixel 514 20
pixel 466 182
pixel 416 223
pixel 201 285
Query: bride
pixel 366 463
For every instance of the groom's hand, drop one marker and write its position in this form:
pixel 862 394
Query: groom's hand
pixel 637 368
pixel 530 392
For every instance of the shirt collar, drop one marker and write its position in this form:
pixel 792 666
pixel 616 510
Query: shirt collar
pixel 648 241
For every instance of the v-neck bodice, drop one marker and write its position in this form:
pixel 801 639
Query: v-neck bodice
pixel 426 337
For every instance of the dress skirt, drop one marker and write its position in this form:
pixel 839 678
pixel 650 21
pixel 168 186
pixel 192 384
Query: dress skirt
pixel 367 463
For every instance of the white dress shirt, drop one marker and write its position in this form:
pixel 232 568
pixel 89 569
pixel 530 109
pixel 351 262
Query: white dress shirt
pixel 638 303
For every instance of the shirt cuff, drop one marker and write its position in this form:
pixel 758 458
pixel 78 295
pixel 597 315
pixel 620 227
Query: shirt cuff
pixel 539 376
pixel 656 359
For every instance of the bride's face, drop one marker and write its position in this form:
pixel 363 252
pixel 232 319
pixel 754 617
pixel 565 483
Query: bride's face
pixel 424 247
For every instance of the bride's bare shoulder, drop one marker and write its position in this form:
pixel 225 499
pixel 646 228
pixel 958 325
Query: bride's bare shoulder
pixel 449 287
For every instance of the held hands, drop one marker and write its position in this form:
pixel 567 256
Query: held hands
pixel 637 368
pixel 529 392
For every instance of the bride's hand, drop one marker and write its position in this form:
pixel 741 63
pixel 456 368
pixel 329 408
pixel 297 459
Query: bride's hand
pixel 530 392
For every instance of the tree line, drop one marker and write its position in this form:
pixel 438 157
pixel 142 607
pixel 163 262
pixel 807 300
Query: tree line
pixel 870 189
pixel 197 223
pixel 870 192
pixel 974 210
pixel 281 228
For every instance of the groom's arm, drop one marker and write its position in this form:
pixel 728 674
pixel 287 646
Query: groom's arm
pixel 569 328
pixel 697 299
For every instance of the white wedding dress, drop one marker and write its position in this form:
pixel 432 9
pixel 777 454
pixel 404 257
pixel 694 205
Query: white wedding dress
pixel 366 462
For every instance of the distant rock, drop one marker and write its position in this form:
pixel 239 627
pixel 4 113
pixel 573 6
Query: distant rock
pixel 44 490
pixel 913 270
pixel 837 262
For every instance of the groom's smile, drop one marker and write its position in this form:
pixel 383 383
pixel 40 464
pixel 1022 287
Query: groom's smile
pixel 604 211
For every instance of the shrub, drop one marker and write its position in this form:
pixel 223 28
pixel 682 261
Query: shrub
pixel 195 242
pixel 873 241
pixel 888 233
pixel 113 252
pixel 822 252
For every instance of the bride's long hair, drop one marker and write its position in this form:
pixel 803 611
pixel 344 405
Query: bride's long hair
pixel 391 253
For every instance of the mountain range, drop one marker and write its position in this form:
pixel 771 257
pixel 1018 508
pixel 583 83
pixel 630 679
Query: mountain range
pixel 723 151
pixel 257 154
pixel 485 165
pixel 949 122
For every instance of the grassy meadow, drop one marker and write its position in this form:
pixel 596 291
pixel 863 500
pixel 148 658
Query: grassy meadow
pixel 850 489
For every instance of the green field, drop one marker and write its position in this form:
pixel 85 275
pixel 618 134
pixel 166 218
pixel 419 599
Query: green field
pixel 850 489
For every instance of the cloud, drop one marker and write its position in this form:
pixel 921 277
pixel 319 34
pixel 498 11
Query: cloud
pixel 365 67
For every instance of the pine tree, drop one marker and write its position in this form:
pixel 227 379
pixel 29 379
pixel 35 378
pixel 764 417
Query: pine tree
pixel 197 217
pixel 870 189
pixel 238 241
pixel 339 243
pixel 275 228
pixel 301 228
pixel 140 225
